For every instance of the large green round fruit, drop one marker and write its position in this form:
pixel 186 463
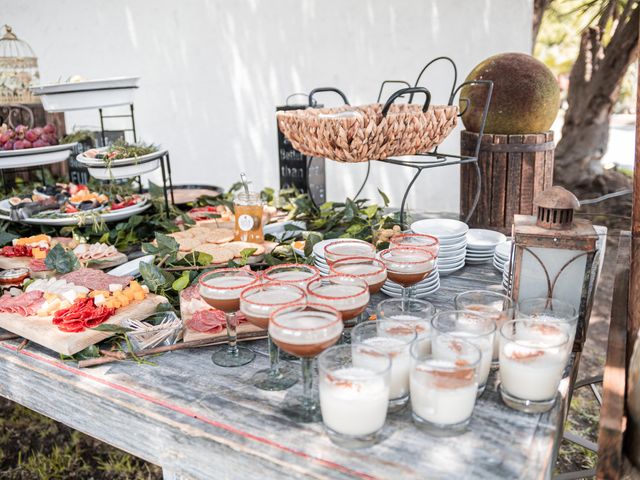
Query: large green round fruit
pixel 525 99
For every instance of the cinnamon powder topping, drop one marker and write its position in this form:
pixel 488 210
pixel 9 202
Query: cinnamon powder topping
pixel 546 329
pixel 400 330
pixel 455 346
pixel 450 379
pixel 340 382
pixel 526 355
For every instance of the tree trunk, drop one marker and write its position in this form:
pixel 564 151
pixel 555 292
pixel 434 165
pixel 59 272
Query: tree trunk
pixel 594 85
pixel 539 7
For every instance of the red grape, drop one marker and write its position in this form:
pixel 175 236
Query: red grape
pixel 40 143
pixel 26 144
pixel 31 136
pixel 49 128
pixel 18 145
pixel 8 145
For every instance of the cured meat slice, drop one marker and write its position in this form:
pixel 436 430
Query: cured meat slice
pixel 95 279
pixel 24 304
pixel 207 321
pixel 38 265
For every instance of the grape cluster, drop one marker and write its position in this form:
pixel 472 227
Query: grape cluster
pixel 22 137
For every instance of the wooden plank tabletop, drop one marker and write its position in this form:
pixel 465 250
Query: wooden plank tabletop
pixel 203 421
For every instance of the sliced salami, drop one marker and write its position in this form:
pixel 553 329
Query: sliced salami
pixel 95 279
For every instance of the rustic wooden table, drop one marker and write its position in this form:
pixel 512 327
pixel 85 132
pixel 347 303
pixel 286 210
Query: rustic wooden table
pixel 201 421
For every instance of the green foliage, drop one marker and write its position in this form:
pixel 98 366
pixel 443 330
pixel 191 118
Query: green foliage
pixel 61 260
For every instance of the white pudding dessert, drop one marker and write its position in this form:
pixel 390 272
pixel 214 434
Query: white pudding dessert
pixel 421 326
pixel 531 373
pixel 353 401
pixel 398 350
pixel 484 344
pixel 443 393
pixel 498 316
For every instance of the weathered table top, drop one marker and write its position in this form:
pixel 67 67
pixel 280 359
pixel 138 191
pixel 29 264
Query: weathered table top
pixel 202 421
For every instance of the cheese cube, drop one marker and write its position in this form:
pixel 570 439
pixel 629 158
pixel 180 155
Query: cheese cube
pixel 70 295
pixel 145 289
pixel 115 287
pixel 99 299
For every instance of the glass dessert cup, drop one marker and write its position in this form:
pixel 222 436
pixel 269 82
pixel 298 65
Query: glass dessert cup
pixel 305 330
pixel 492 304
pixel 408 266
pixel 368 269
pixel 550 310
pixel 338 250
pixel 413 311
pixel 416 240
pixel 291 273
pixel 533 356
pixel 353 399
pixel 472 327
pixel 221 289
pixel 257 303
pixel 443 385
pixel 394 339
pixel 346 293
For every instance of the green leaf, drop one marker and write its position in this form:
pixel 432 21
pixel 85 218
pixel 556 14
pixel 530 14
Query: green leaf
pixel 6 238
pixel 91 351
pixel 61 260
pixel 371 211
pixel 153 277
pixel 312 239
pixel 109 327
pixel 149 248
pixel 181 282
pixel 204 259
pixel 385 198
pixel 350 210
pixel 166 244
pixel 292 227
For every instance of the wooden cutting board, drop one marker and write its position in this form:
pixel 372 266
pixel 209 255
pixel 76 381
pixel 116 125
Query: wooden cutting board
pixel 41 331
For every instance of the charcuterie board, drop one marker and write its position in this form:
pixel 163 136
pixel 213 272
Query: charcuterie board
pixel 40 330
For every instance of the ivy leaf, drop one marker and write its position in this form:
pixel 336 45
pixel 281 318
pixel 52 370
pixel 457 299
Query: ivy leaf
pixel 92 351
pixel 61 260
pixel 181 282
pixel 152 276
pixel 371 211
pixel 271 260
pixel 149 248
pixel 312 239
pixel 6 237
pixel 204 259
pixel 350 210
pixel 385 198
pixel 111 328
pixel 166 244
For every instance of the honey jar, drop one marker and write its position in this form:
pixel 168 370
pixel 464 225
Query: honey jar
pixel 248 212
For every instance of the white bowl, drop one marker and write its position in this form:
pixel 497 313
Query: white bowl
pixel 110 92
pixel 484 238
pixel 129 171
pixel 31 157
pixel 504 249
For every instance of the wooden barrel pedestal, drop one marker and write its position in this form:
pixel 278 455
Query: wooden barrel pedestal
pixel 514 169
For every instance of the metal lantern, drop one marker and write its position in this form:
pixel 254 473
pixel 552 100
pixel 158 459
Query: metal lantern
pixel 554 253
pixel 18 69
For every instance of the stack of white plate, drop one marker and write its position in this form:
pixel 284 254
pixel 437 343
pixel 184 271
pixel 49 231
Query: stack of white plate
pixel 502 255
pixel 318 254
pixel 481 244
pixel 423 289
pixel 453 241
pixel 506 278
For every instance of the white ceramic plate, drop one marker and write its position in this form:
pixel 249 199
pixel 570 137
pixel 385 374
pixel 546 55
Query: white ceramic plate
pixel 30 157
pixel 131 268
pixel 453 246
pixel 479 237
pixel 473 261
pixel 115 216
pixel 423 284
pixel 443 228
pixel 109 92
pixel 480 251
pixel 418 295
pixel 504 249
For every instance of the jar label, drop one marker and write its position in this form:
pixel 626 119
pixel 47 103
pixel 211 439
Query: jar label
pixel 245 222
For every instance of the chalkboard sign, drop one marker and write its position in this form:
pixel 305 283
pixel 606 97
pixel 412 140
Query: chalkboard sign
pixel 78 173
pixel 305 173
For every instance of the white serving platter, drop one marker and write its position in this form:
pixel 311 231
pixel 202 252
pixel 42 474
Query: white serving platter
pixel 32 157
pixel 108 92
pixel 443 228
pixel 123 168
pixel 132 267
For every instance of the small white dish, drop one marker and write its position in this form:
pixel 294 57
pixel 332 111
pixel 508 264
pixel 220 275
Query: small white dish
pixel 480 237
pixel 504 249
pixel 131 268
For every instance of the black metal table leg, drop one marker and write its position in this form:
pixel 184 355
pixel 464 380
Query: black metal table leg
pixel 164 186
pixel 170 179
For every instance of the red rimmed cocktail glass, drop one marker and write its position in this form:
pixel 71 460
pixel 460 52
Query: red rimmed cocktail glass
pixel 407 266
pixel 305 330
pixel 340 249
pixel 291 273
pixel 221 289
pixel 416 240
pixel 346 293
pixel 257 303
pixel 371 270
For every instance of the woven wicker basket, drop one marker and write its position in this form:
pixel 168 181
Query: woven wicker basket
pixel 365 133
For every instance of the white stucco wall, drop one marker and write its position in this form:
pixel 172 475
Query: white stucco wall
pixel 213 71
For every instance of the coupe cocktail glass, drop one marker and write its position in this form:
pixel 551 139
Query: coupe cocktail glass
pixel 221 289
pixel 408 266
pixel 338 250
pixel 257 303
pixel 291 273
pixel 305 330
pixel 372 271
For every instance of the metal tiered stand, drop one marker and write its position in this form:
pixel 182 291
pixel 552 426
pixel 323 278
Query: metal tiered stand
pixel 163 155
pixel 433 159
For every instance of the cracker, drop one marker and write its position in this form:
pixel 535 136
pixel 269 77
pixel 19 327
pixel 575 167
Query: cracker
pixel 219 253
pixel 237 248
pixel 187 244
pixel 220 235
